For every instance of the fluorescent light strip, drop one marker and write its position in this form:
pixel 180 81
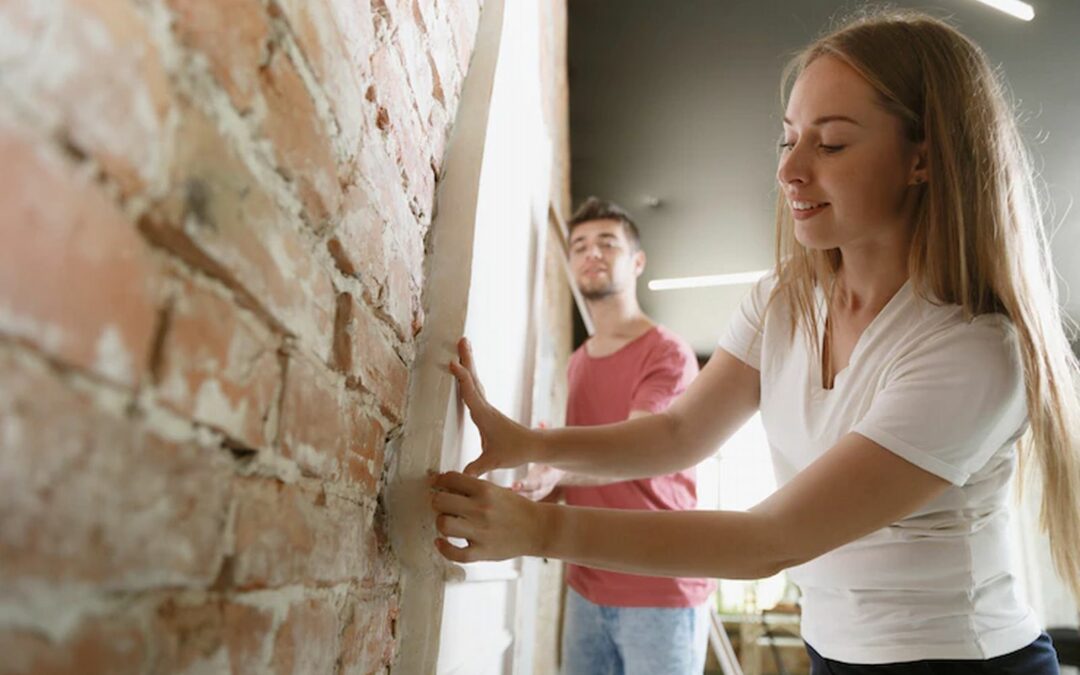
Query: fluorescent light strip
pixel 1021 10
pixel 705 281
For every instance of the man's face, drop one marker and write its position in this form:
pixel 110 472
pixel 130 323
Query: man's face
pixel 602 259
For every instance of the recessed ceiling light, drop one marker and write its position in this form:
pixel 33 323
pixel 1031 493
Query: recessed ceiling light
pixel 1021 10
pixel 706 281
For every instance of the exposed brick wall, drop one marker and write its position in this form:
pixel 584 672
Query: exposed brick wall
pixel 212 231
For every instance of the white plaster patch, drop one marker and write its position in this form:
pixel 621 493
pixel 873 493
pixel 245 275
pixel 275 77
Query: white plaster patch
pixel 11 432
pixel 213 406
pixel 175 387
pixel 218 662
pixel 111 356
pixel 171 427
pixel 319 462
pixel 55 610
pixel 274 466
pixel 17 43
pixel 285 262
pixel 49 336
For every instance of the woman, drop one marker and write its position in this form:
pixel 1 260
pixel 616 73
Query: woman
pixel 907 351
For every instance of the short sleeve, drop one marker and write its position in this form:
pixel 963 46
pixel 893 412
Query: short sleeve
pixel 670 369
pixel 952 402
pixel 745 331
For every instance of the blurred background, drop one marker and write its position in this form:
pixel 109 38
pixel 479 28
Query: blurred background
pixel 675 114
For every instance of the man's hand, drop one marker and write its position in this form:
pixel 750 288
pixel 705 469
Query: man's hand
pixel 505 443
pixel 538 482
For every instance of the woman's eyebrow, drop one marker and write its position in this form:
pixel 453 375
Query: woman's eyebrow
pixel 825 119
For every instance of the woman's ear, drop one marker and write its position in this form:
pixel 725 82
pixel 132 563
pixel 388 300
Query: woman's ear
pixel 919 171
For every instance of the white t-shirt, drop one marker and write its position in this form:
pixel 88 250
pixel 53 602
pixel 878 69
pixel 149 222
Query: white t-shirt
pixel 946 395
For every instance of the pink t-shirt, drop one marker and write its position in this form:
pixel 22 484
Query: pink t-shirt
pixel 647 374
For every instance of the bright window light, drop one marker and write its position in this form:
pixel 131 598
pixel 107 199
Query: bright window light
pixel 739 476
pixel 708 280
pixel 1021 10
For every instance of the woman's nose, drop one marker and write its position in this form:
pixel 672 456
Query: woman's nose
pixel 792 167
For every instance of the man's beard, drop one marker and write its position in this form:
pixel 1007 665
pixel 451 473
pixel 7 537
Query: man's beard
pixel 599 292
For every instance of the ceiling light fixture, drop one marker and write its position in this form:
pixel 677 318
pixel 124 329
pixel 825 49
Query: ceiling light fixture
pixel 1021 10
pixel 706 281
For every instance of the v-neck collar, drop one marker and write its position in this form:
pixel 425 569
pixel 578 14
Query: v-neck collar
pixel 860 342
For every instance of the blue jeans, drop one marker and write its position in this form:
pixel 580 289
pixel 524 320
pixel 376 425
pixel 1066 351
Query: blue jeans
pixel 601 640
pixel 1038 658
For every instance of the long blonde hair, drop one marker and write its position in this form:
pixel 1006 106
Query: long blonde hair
pixel 978 238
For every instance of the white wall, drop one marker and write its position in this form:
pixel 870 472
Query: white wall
pixel 481 613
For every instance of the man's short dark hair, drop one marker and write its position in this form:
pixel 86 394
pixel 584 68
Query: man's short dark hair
pixel 599 209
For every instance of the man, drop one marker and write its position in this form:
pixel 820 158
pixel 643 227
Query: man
pixel 631 367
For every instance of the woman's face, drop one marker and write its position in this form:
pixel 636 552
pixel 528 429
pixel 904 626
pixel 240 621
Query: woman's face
pixel 847 171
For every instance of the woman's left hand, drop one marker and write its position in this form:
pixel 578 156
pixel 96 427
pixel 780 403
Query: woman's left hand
pixel 497 523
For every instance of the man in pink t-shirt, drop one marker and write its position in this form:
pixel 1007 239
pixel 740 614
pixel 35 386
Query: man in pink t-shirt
pixel 618 622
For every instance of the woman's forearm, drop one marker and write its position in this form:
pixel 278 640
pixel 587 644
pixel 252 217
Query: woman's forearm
pixel 717 544
pixel 717 403
pixel 645 446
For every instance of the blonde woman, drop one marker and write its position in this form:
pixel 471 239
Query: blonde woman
pixel 906 356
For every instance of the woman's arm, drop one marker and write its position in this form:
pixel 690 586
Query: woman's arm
pixel 716 404
pixel 857 487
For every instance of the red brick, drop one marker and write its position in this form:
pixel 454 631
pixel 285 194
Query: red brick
pixel 392 91
pixel 408 42
pixel 438 131
pixel 247 630
pixel 363 352
pixel 463 18
pixel 358 241
pixel 233 35
pixel 76 280
pixel 324 429
pixel 188 637
pixel 212 635
pixel 402 300
pixel 390 84
pixel 294 534
pixel 365 452
pixel 89 496
pixel 415 159
pixel 443 54
pixel 220 219
pixel 301 144
pixel 218 366
pixel 370 640
pixel 383 573
pixel 424 13
pixel 377 164
pixel 410 247
pixel 309 639
pixel 90 70
pixel 336 38
pixel 99 645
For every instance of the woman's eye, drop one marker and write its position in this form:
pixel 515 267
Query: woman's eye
pixel 831 148
pixel 787 145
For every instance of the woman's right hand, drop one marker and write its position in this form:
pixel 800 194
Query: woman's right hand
pixel 504 443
